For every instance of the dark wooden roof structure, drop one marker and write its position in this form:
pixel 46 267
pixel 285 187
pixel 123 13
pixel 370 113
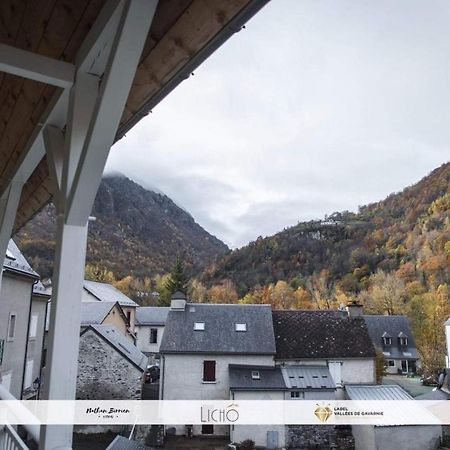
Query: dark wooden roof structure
pixel 183 34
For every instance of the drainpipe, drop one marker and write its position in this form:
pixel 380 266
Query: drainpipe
pixel 27 339
pixel 161 376
pixel 42 349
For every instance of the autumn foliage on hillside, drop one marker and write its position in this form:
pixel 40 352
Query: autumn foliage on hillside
pixel 393 256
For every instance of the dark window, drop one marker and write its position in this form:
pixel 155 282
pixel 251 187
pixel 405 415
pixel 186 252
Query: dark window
pixel 129 317
pixel 387 341
pixel 12 327
pixel 209 371
pixel 391 363
pixel 403 341
pixel 153 335
pixel 207 429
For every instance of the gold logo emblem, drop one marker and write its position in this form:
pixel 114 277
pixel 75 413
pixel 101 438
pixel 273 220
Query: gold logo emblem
pixel 323 413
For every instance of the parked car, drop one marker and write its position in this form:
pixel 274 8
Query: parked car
pixel 152 374
pixel 430 380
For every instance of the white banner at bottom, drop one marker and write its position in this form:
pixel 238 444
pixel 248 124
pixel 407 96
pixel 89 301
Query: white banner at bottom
pixel 246 412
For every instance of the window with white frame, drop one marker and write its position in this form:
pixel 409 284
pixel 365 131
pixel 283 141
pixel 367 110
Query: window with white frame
pixel 387 341
pixel 297 395
pixel 153 335
pixel 11 326
pixel 33 326
pixel 403 341
pixel 255 375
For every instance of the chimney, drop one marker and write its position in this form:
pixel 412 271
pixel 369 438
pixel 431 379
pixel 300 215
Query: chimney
pixel 178 301
pixel 354 309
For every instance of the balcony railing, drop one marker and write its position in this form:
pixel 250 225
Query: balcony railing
pixel 10 440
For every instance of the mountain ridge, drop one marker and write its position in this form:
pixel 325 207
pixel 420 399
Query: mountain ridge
pixel 136 232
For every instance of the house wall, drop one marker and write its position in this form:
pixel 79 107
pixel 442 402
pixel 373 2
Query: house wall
pixel 418 437
pixel 143 338
pixel 15 297
pixel 182 380
pixel 34 351
pixel 345 370
pixel 88 297
pixel 257 433
pixel 116 319
pixel 104 373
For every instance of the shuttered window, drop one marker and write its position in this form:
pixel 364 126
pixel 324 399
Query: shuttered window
pixel 209 371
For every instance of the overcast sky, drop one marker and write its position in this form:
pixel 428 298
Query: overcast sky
pixel 317 106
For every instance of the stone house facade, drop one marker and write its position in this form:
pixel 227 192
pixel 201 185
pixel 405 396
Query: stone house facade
pixel 109 365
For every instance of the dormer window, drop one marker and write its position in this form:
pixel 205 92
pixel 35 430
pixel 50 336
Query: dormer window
pixel 255 375
pixel 240 326
pixel 403 341
pixel 387 338
pixel 199 326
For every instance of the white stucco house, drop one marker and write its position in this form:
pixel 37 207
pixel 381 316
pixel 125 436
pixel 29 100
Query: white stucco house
pixel 200 341
pixel 338 340
pixel 243 352
pixel 149 329
pixel 16 306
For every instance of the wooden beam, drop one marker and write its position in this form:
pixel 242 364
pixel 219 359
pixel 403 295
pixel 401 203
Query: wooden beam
pixel 36 67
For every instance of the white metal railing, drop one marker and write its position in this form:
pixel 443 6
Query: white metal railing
pixel 10 440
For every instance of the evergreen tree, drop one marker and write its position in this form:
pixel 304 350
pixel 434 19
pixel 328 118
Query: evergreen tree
pixel 177 281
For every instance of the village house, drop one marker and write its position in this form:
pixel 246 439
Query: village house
pixel 149 329
pixel 15 308
pixel 95 291
pixel 35 356
pixel 393 337
pixel 110 366
pixel 338 340
pixel 276 383
pixel 200 341
pixel 106 313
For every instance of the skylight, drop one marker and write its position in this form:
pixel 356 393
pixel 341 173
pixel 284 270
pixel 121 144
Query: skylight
pixel 255 375
pixel 241 327
pixel 199 326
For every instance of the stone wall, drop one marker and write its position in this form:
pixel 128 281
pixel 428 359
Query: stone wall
pixel 324 437
pixel 104 373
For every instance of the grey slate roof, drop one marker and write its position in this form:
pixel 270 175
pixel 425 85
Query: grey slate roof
pixel 151 315
pixel 120 343
pixel 16 262
pixel 219 335
pixel 122 443
pixel 107 293
pixel 394 327
pixel 241 378
pixel 377 392
pixel 94 312
pixel 303 334
pixel 308 377
pixel 275 378
pixel 41 291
